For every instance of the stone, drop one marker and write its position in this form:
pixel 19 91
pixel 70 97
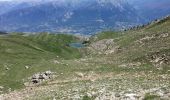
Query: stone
pixel 79 74
pixel 56 62
pixel 164 35
pixel 94 93
pixel 48 73
pixel 42 76
pixel 35 81
pixel 1 87
pixel 105 46
pixel 35 76
pixel 54 98
pixel 7 68
pixel 131 96
pixel 76 97
pixel 26 67
pixel 117 95
pixel 89 94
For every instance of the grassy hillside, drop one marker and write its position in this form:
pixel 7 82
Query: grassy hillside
pixel 105 35
pixel 58 44
pixel 35 51
pixel 139 44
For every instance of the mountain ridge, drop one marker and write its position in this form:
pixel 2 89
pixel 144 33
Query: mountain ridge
pixel 63 16
pixel 70 19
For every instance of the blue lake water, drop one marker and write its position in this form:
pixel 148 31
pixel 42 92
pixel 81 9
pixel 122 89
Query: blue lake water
pixel 76 45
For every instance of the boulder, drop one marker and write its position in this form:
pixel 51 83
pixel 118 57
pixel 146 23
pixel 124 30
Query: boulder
pixel 1 87
pixel 7 68
pixel 105 46
pixel 48 72
pixel 79 74
pixel 131 96
pixel 26 67
pixel 37 78
pixel 35 81
pixel 42 76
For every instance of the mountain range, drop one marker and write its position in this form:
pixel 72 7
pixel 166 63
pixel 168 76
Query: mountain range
pixel 78 17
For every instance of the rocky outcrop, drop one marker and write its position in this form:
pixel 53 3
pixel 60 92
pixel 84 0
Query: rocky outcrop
pixel 158 58
pixel 105 46
pixel 40 77
pixel 37 78
pixel 147 39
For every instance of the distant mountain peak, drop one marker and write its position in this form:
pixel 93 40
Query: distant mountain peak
pixel 75 16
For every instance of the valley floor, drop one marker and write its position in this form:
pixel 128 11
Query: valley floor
pixel 128 65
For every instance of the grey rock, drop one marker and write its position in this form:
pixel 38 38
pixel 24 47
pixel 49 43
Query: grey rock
pixel 117 95
pixel 105 46
pixel 26 67
pixel 7 68
pixel 48 73
pixel 37 78
pixel 1 87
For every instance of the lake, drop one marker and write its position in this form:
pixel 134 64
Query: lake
pixel 77 45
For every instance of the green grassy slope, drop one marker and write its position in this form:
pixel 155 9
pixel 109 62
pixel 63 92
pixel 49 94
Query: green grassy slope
pixel 138 44
pixel 36 51
pixel 105 35
pixel 146 49
pixel 58 44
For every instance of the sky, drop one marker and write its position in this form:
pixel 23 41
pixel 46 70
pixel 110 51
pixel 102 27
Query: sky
pixel 6 0
pixel 21 0
pixel 18 0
